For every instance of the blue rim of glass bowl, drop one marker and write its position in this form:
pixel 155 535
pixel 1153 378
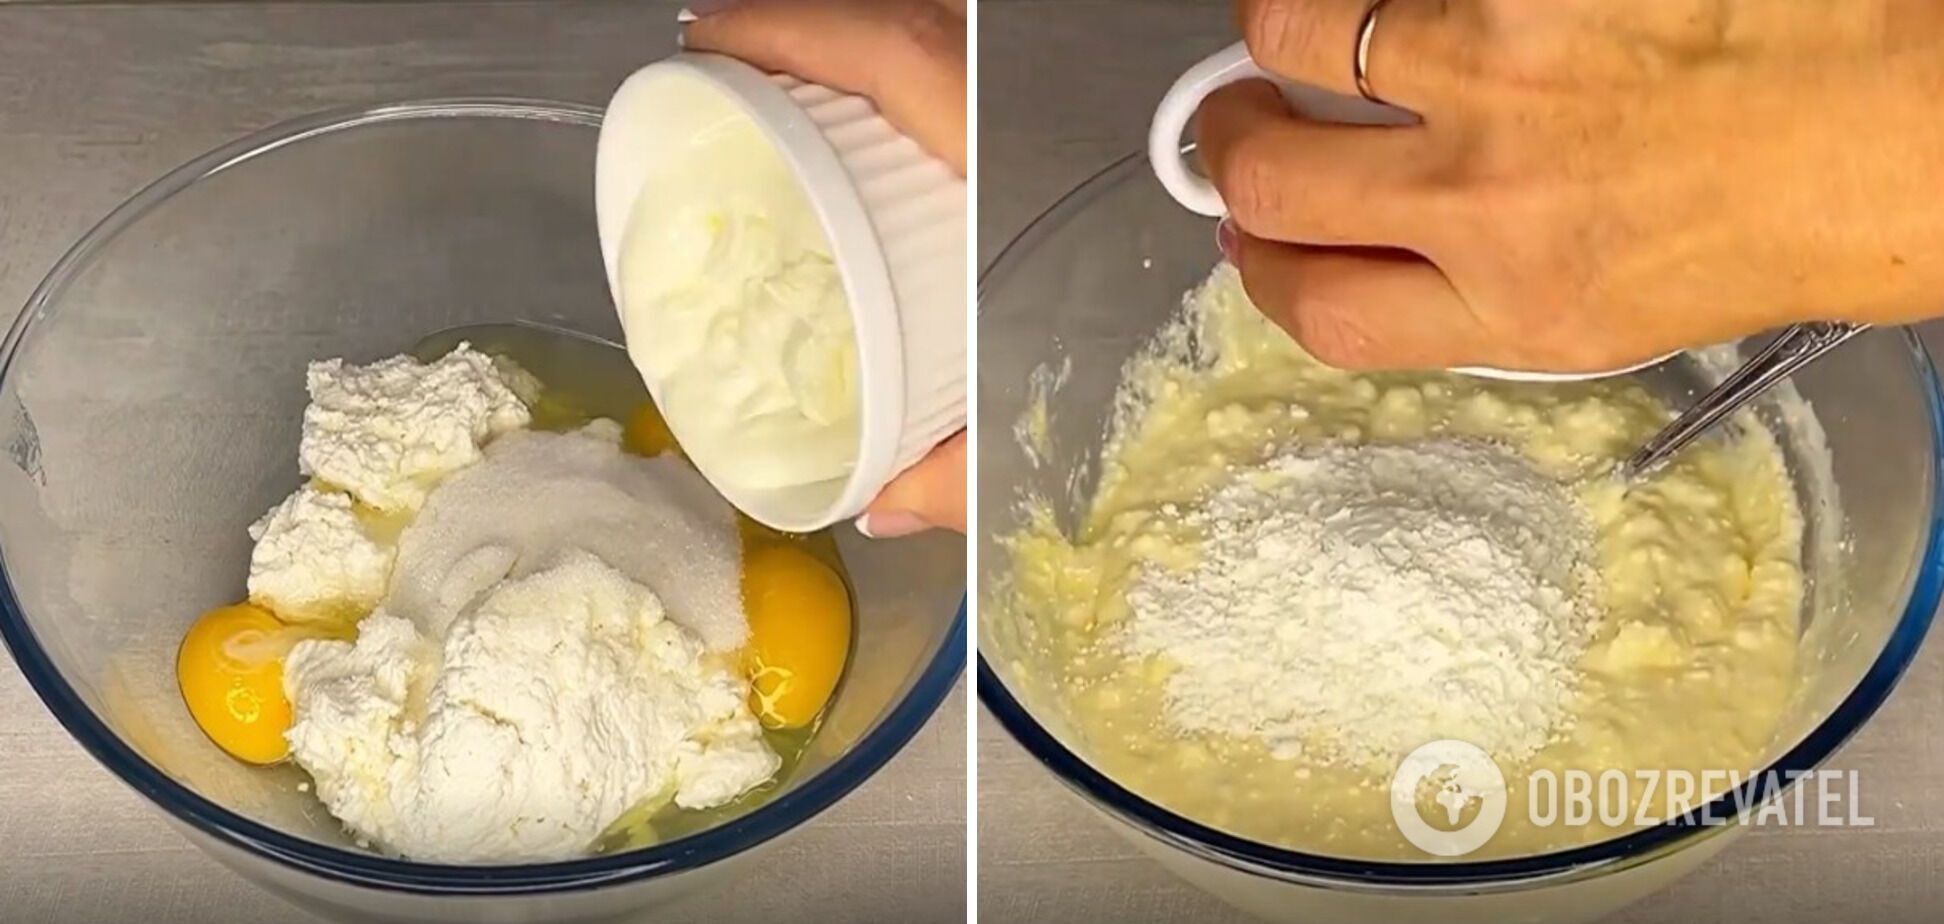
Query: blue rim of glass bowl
pixel 1318 870
pixel 371 870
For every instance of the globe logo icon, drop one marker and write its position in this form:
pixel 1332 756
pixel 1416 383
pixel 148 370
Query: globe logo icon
pixel 1465 777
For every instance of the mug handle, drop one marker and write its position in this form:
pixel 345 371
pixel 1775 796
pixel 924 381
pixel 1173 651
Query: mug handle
pixel 1177 176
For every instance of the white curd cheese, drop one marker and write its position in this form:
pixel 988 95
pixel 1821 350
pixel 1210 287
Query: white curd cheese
pixel 313 559
pixel 552 641
pixel 519 687
pixel 387 432
pixel 735 312
pixel 561 701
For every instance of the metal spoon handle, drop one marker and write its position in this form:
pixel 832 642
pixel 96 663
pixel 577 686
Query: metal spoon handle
pixel 1797 346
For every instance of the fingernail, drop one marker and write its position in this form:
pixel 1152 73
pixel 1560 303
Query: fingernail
pixel 1227 239
pixel 685 16
pixel 890 525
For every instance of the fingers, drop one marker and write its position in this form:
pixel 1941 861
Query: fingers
pixel 1315 42
pixel 1290 179
pixel 907 56
pixel 928 495
pixel 1362 309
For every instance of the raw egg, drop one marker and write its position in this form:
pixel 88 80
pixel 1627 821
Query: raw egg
pixel 799 633
pixel 647 434
pixel 230 668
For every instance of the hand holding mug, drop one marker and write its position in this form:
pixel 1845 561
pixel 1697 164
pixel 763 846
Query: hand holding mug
pixel 1578 185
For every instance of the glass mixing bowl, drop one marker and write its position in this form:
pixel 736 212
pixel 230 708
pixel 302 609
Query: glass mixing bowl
pixel 1090 281
pixel 152 389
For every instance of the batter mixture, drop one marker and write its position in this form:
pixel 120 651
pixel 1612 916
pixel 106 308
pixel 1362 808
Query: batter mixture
pixel 1290 576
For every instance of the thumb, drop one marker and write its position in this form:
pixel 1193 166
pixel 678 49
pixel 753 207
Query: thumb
pixel 928 495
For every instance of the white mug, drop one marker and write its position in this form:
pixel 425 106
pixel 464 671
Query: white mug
pixel 1232 64
pixel 1167 155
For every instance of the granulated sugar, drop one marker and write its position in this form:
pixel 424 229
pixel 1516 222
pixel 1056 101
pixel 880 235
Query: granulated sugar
pixel 538 496
pixel 1354 602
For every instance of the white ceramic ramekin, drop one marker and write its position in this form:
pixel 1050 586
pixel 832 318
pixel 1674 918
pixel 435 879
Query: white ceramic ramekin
pixel 895 220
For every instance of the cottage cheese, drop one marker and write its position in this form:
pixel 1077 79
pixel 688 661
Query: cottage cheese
pixel 314 560
pixel 389 431
pixel 563 700
pixel 518 687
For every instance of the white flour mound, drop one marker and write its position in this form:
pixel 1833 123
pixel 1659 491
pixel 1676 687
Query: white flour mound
pixel 1354 602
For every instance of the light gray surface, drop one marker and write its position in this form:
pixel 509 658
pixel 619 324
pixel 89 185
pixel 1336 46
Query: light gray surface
pixel 1065 88
pixel 95 101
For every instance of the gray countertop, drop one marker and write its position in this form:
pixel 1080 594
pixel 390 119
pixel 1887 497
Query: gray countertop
pixel 96 100
pixel 1065 87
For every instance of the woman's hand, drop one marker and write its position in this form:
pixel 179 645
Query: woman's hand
pixel 928 495
pixel 908 57
pixel 1595 181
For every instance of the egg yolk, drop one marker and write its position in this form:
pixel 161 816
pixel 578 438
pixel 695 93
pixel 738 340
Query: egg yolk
pixel 230 668
pixel 646 433
pixel 799 633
